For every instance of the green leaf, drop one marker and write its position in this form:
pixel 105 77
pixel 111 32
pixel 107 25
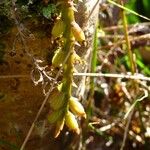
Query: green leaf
pixel 49 10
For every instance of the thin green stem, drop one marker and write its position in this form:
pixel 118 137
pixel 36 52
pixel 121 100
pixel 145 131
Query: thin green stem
pixel 130 54
pixel 94 58
pixel 93 70
pixel 68 17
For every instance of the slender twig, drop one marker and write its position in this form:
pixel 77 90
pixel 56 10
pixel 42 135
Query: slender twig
pixel 94 7
pixel 132 26
pixel 126 129
pixel 142 37
pixel 145 36
pixel 13 76
pixel 42 106
pixel 111 36
pixel 109 75
pixel 127 9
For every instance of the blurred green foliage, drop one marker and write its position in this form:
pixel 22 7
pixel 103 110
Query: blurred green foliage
pixel 140 6
pixel 48 11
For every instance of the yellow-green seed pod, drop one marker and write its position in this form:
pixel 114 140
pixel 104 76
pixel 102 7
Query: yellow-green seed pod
pixel 58 28
pixel 56 99
pixel 76 107
pixel 55 115
pixel 58 58
pixel 59 127
pixel 77 32
pixel 71 122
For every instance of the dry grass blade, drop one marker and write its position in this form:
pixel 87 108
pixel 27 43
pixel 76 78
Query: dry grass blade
pixel 109 75
pixel 127 9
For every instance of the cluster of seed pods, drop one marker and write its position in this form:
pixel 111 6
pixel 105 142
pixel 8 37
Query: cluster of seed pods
pixel 65 107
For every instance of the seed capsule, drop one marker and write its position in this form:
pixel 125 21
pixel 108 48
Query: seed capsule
pixel 56 99
pixel 58 58
pixel 59 127
pixel 71 122
pixel 77 32
pixel 58 28
pixel 76 107
pixel 55 115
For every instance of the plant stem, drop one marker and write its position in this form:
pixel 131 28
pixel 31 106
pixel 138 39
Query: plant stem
pixel 93 70
pixel 94 59
pixel 68 17
pixel 130 54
